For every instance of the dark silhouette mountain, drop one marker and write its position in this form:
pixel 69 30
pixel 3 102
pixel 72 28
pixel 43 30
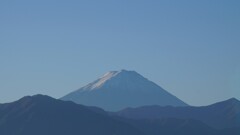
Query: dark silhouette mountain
pixel 230 131
pixel 221 115
pixel 166 126
pixel 117 90
pixel 171 126
pixel 42 115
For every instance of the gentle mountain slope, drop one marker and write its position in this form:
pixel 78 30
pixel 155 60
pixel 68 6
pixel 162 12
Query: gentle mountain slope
pixel 221 115
pixel 42 115
pixel 117 90
pixel 172 126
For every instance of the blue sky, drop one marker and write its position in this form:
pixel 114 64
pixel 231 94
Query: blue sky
pixel 191 48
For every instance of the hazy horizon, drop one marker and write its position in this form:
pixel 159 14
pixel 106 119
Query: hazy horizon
pixel 190 48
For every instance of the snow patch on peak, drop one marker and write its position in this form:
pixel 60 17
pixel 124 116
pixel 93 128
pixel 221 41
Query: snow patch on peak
pixel 110 74
pixel 99 82
pixel 121 75
pixel 105 78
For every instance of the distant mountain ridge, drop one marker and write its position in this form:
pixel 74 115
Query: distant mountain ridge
pixel 225 114
pixel 117 90
pixel 43 115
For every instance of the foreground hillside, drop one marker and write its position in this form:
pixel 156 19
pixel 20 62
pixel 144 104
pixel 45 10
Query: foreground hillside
pixel 225 114
pixel 43 115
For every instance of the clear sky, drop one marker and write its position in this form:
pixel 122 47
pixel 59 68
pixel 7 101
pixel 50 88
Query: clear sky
pixel 189 47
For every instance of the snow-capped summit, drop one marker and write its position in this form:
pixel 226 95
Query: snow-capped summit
pixel 117 90
pixel 101 81
pixel 114 78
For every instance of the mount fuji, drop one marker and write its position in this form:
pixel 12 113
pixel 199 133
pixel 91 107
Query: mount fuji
pixel 117 90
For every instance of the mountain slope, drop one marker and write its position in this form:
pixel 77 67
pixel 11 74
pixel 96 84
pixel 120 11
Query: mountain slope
pixel 221 115
pixel 172 126
pixel 42 115
pixel 117 90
